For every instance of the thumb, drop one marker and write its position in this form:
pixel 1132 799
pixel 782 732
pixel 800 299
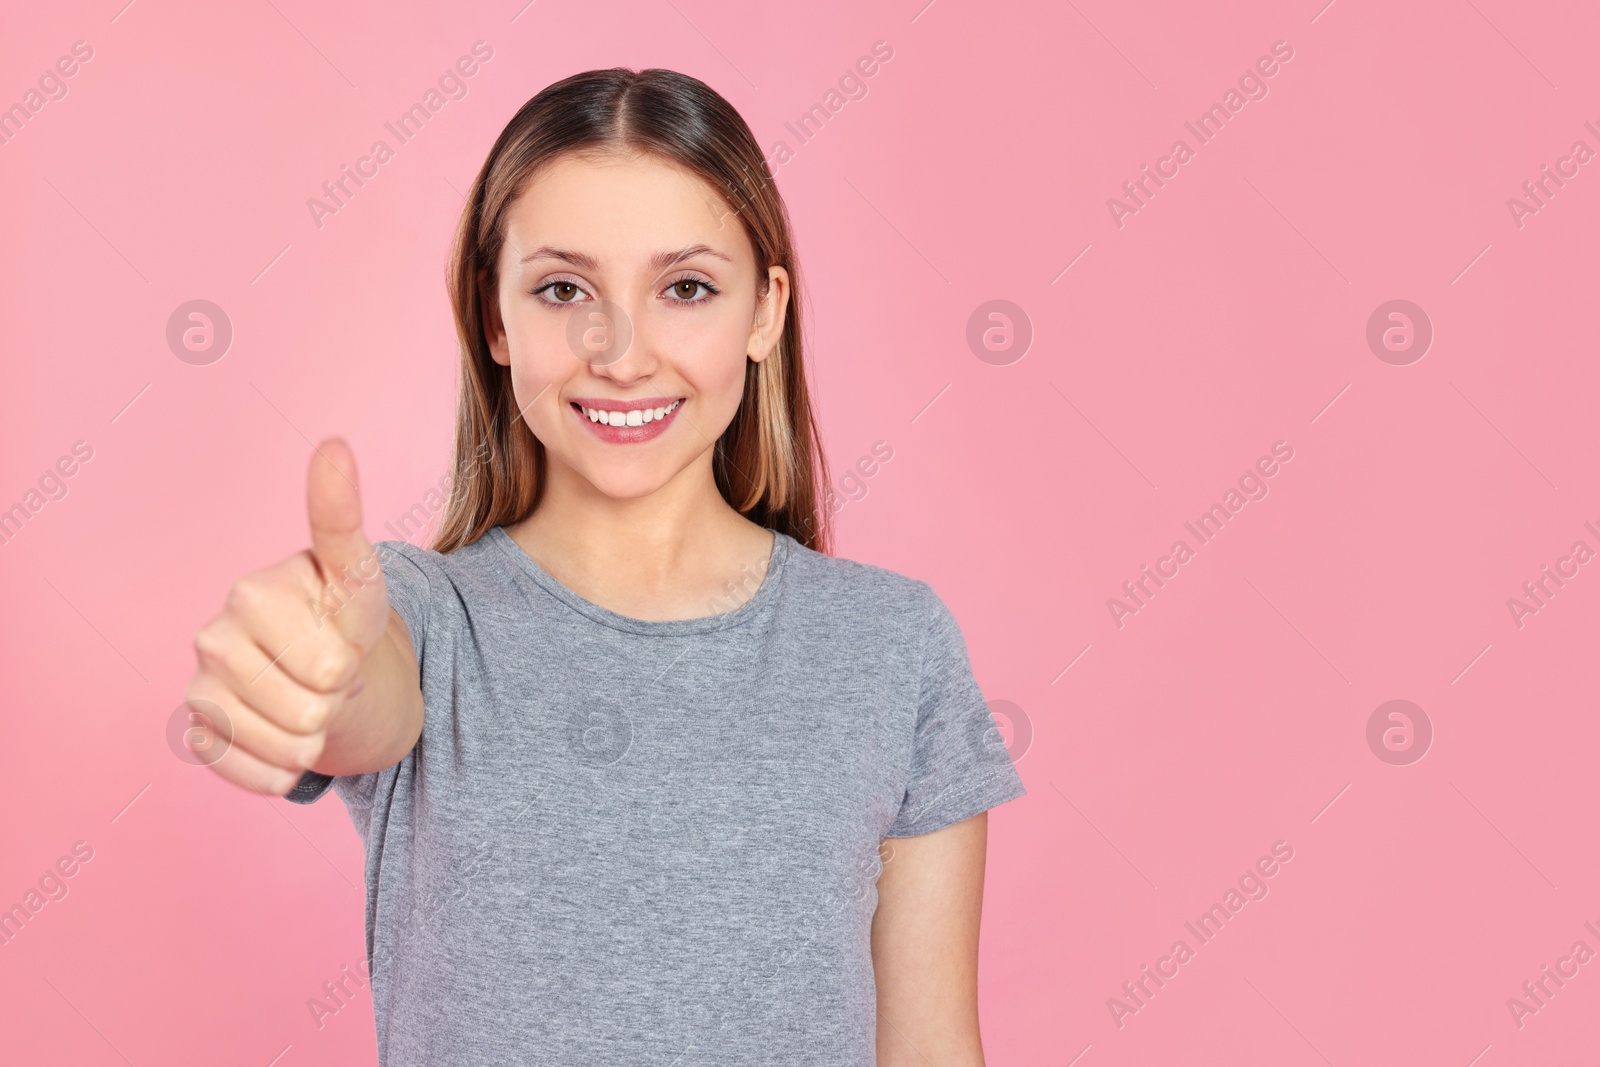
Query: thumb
pixel 333 502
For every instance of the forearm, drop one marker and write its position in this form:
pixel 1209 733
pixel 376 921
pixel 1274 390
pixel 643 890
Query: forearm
pixel 925 948
pixel 376 728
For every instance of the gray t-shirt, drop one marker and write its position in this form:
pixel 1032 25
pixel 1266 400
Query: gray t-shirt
pixel 655 842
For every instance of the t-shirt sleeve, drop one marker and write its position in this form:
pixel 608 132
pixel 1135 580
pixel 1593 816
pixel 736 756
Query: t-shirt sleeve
pixel 405 577
pixel 959 763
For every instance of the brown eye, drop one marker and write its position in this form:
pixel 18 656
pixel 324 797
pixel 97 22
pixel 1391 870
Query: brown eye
pixel 686 290
pixel 565 291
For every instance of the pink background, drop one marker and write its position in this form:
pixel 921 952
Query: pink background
pixel 1229 313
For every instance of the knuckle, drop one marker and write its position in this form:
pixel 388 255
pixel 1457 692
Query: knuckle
pixel 331 665
pixel 216 645
pixel 244 596
pixel 312 715
pixel 255 595
pixel 308 751
pixel 208 642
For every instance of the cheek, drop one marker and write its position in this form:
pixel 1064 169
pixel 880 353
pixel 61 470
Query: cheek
pixel 536 340
pixel 709 351
pixel 541 362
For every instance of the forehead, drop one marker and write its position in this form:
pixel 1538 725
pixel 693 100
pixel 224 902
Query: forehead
pixel 621 206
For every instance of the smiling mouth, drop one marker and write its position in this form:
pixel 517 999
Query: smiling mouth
pixel 626 422
pixel 626 416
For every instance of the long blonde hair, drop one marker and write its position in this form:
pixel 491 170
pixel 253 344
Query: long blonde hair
pixel 768 464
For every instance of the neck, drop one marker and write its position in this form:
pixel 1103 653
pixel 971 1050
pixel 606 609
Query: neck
pixel 667 554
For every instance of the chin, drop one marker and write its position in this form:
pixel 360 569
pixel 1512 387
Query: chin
pixel 627 485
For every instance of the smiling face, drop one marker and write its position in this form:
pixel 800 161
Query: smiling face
pixel 628 304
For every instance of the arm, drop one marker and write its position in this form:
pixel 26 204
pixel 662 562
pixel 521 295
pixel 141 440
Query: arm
pixel 925 947
pixel 377 727
pixel 308 665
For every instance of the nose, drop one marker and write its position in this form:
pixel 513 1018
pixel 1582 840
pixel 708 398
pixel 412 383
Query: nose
pixel 609 337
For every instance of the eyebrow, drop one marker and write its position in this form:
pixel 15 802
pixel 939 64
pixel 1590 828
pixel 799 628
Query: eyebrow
pixel 659 261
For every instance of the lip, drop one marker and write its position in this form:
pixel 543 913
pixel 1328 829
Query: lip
pixel 625 435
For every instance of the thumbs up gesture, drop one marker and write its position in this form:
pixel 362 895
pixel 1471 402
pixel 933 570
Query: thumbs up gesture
pixel 293 647
pixel 349 576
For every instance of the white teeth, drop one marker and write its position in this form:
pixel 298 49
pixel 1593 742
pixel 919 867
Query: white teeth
pixel 636 417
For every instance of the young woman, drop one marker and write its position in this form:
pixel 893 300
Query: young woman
pixel 644 776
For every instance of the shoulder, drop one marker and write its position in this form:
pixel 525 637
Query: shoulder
pixel 841 587
pixel 462 568
pixel 476 554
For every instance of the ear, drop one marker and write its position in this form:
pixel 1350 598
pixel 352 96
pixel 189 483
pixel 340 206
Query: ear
pixel 494 330
pixel 772 310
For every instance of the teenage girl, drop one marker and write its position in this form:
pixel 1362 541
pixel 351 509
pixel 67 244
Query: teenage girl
pixel 644 776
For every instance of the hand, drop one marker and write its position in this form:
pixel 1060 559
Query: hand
pixel 287 651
